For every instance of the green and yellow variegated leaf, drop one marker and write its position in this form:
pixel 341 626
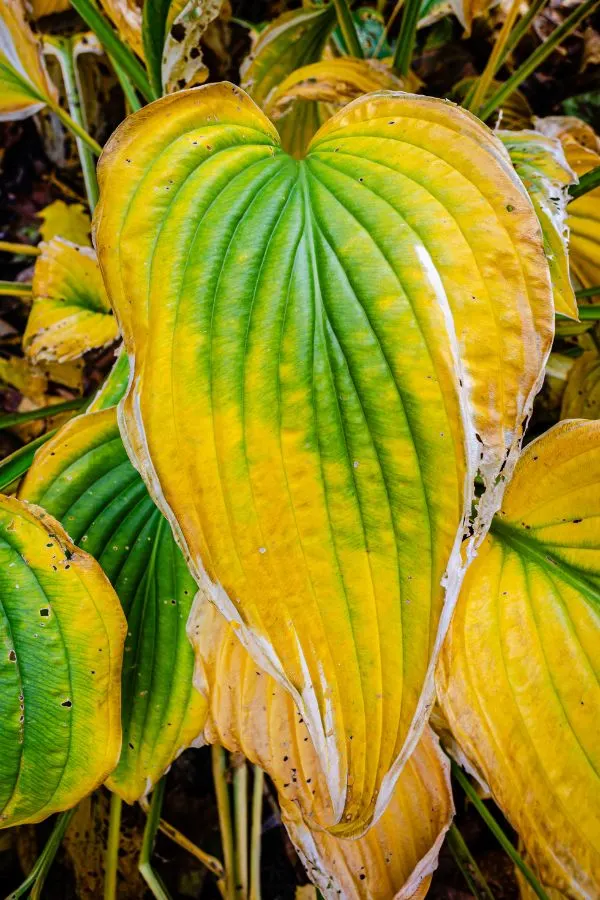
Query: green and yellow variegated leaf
pixel 293 40
pixel 83 477
pixel 70 313
pixel 114 386
pixel 310 95
pixel 581 398
pixel 24 84
pixel 518 674
pixel 540 163
pixel 249 712
pixel 306 343
pixel 61 639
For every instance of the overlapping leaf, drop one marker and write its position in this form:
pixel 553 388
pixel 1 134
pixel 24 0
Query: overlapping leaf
pixel 306 341
pixel 41 8
pixel 250 713
pixel 518 674
pixel 543 169
pixel 83 477
pixel 65 220
pixel 70 313
pixel 61 637
pixel 582 393
pixel 24 84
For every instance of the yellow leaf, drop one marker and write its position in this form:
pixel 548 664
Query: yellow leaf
pixel 126 15
pixel 21 375
pixel 66 220
pixel 24 84
pixel 48 7
pixel 310 95
pixel 581 398
pixel 466 11
pixel 515 112
pixel 311 355
pixel 249 712
pixel 70 313
pixel 62 638
pixel 540 163
pixel 518 674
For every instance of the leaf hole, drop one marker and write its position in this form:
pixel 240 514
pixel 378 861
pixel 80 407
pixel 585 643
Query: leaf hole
pixel 44 611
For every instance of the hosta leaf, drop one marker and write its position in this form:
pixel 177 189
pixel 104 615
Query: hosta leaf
pixel 310 95
pixel 182 61
pixel 66 220
pixel 515 113
pixel 48 7
pixel 582 152
pixel 540 162
pixel 83 477
pixel 61 632
pixel 518 674
pixel 306 342
pixel 293 40
pixel 252 714
pixel 70 313
pixel 581 398
pixel 24 84
pixel 126 15
pixel 114 386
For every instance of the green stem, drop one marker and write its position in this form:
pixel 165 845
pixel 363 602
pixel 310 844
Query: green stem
pixel 405 44
pixel 497 831
pixel 240 811
pixel 152 822
pixel 126 85
pixel 224 810
pixel 111 859
pixel 256 832
pixel 586 183
pixel 43 412
pixel 588 292
pixel 537 57
pixel 114 46
pixel 348 28
pixel 397 7
pixel 15 289
pixel 467 865
pixel 62 49
pixel 75 128
pixel 15 465
pixel 483 83
pixel 521 29
pixel 589 313
pixel 19 249
pixel 34 882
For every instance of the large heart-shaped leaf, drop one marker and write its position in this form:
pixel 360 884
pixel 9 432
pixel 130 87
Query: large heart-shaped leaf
pixel 518 675
pixel 252 714
pixel 311 395
pixel 61 638
pixel 83 477
pixel 70 312
pixel 24 84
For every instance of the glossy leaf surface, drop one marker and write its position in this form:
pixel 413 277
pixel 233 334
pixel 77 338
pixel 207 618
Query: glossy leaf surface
pixel 518 674
pixel 250 713
pixel 24 84
pixel 70 313
pixel 83 477
pixel 306 343
pixel 540 163
pixel 61 638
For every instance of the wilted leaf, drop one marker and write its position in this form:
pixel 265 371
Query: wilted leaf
pixel 306 341
pixel 62 637
pixel 540 163
pixel 126 15
pixel 310 95
pixel 66 220
pixel 293 40
pixel 182 62
pixel 41 8
pixel 249 712
pixel 24 84
pixel 581 398
pixel 70 313
pixel 514 114
pixel 518 674
pixel 83 477
pixel 468 10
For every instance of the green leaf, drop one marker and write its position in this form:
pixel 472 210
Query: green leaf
pixel 84 478
pixel 61 644
pixel 154 29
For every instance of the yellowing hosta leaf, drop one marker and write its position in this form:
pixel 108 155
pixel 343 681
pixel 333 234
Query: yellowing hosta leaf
pixel 540 162
pixel 61 644
pixel 182 64
pixel 581 398
pixel 24 84
pixel 250 713
pixel 518 674
pixel 70 313
pixel 311 94
pixel 83 477
pixel 66 220
pixel 306 344
pixel 126 15
pixel 293 40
